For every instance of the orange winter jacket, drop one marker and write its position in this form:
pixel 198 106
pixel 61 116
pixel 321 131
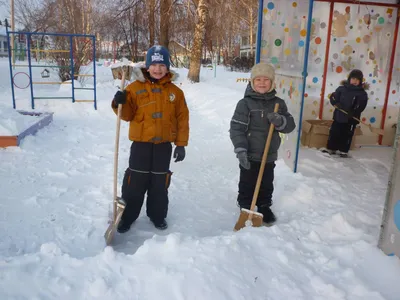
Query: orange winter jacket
pixel 157 112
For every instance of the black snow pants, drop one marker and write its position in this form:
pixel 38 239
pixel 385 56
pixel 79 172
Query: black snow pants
pixel 340 136
pixel 247 185
pixel 148 172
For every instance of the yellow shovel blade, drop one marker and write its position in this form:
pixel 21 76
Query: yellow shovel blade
pixel 248 218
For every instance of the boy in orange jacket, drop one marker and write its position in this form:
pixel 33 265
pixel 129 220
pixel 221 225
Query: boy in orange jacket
pixel 158 115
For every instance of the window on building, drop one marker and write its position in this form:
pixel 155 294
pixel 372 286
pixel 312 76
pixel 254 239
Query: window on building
pixel 5 45
pixel 245 40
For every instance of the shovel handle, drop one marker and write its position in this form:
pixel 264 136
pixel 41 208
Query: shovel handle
pixel 263 162
pixel 372 129
pixel 122 87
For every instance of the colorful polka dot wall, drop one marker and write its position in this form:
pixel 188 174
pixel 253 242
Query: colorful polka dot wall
pixel 361 38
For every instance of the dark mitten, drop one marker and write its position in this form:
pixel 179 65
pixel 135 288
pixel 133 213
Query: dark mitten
pixel 275 119
pixel 120 97
pixel 350 114
pixel 243 160
pixel 179 153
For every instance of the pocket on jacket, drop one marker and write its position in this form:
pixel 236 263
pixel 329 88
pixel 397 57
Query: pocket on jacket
pixel 258 118
pixel 136 127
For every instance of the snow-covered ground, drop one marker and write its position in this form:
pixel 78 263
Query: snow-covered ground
pixel 56 192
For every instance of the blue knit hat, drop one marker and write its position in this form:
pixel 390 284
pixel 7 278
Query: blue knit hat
pixel 157 55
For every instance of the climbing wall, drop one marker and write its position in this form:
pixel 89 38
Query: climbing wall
pixel 318 44
pixel 389 240
pixel 284 32
pixel 362 37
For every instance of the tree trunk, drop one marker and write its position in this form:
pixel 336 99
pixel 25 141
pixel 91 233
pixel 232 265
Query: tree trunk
pixel 164 22
pixel 152 6
pixel 199 33
pixel 251 30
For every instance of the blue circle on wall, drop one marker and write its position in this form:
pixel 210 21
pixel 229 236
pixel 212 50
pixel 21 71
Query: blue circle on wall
pixel 270 5
pixel 397 215
pixel 315 80
pixel 301 43
pixel 374 81
pixel 372 120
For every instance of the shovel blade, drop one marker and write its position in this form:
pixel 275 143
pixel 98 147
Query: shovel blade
pixel 112 228
pixel 255 218
pixel 377 131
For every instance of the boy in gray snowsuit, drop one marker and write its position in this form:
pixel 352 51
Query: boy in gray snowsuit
pixel 249 130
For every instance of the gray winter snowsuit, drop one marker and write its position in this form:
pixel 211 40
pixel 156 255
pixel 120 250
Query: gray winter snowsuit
pixel 249 125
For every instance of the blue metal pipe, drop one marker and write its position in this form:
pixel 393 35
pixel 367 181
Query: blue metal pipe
pixel 71 57
pixel 94 72
pixel 30 68
pixel 11 69
pixel 305 74
pixel 259 30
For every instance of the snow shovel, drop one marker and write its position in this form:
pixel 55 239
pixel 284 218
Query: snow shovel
pixel 372 129
pixel 249 217
pixel 118 203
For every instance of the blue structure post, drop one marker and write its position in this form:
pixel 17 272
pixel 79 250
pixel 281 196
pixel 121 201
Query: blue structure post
pixel 305 74
pixel 10 64
pixel 30 68
pixel 71 57
pixel 259 30
pixel 94 73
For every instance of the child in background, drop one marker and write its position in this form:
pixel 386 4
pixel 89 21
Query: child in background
pixel 351 97
pixel 249 130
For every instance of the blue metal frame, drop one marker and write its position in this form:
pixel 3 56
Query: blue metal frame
pixel 259 30
pixel 305 74
pixel 30 69
pixel 72 67
pixel 10 64
pixel 71 57
pixel 94 73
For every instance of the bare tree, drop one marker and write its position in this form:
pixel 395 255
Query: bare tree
pixel 249 19
pixel 199 33
pixel 151 11
pixel 165 13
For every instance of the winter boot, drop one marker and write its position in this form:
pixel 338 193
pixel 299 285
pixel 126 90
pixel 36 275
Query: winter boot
pixel 343 154
pixel 123 226
pixel 162 225
pixel 330 152
pixel 268 215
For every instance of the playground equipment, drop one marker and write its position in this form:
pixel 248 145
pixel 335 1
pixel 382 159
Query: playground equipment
pixel 242 79
pixel 389 240
pixel 67 63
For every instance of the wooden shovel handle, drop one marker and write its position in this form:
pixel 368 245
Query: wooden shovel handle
pixel 122 87
pixel 372 129
pixel 263 161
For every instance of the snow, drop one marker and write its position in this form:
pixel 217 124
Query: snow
pixel 56 192
pixel 12 123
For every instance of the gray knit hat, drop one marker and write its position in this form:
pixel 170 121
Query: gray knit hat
pixel 263 69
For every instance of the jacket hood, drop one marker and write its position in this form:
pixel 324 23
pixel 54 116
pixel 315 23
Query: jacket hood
pixel 249 92
pixel 140 73
pixel 364 85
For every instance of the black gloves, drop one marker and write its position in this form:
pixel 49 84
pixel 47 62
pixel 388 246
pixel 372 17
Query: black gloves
pixel 179 153
pixel 350 114
pixel 120 98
